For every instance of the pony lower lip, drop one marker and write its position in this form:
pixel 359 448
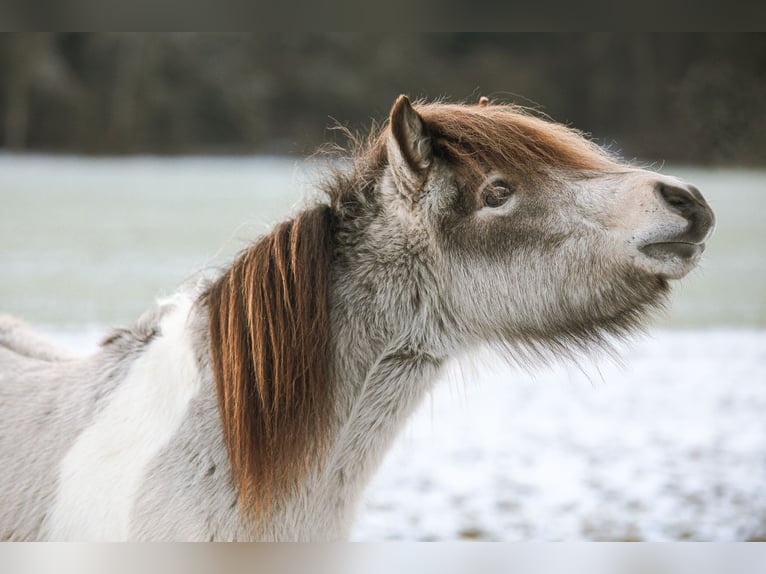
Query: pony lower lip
pixel 673 248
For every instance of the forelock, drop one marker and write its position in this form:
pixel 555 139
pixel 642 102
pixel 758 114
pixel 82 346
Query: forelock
pixel 476 138
pixel 472 139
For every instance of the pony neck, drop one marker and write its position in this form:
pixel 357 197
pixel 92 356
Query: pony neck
pixel 384 366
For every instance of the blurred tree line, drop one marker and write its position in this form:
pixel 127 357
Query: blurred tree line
pixel 697 98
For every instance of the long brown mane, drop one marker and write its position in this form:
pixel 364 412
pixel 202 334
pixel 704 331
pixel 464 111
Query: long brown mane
pixel 269 334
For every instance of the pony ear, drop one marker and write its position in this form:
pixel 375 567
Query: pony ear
pixel 409 142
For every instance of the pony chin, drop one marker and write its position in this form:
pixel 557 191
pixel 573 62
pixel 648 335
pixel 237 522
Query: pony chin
pixel 670 260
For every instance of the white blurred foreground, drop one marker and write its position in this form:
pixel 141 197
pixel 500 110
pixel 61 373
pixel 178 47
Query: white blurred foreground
pixel 669 446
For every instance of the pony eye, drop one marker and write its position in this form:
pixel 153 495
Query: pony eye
pixel 497 193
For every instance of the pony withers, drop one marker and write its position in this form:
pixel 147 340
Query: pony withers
pixel 257 405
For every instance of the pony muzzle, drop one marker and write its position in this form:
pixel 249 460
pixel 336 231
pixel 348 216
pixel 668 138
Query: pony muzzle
pixel 674 250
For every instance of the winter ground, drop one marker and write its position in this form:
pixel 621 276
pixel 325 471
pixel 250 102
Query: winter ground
pixel 669 445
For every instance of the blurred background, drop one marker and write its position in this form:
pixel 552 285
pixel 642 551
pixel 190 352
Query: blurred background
pixel 675 97
pixel 131 163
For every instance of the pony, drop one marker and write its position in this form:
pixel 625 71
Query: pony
pixel 257 404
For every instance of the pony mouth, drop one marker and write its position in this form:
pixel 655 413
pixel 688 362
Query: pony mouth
pixel 666 250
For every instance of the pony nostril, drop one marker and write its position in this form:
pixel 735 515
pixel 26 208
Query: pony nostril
pixel 688 202
pixel 678 198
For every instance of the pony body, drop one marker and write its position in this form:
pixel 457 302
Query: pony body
pixel 256 406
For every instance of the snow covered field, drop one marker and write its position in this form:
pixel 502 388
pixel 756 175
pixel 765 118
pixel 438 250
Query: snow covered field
pixel 669 445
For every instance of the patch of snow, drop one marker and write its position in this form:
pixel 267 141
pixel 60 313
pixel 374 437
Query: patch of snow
pixel 669 445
